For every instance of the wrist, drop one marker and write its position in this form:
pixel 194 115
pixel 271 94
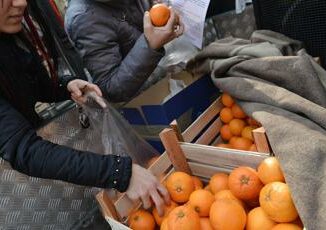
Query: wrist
pixel 65 81
pixel 151 45
pixel 125 167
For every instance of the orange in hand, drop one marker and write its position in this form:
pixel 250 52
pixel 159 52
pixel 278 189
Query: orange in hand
pixel 159 14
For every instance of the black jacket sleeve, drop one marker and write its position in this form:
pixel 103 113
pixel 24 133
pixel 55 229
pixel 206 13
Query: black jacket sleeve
pixel 49 91
pixel 30 154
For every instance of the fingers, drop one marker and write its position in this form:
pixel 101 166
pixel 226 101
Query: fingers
pixel 74 89
pixel 94 88
pixel 100 101
pixel 147 21
pixel 164 192
pixel 158 201
pixel 78 99
pixel 80 90
pixel 180 30
pixel 172 20
pixel 146 200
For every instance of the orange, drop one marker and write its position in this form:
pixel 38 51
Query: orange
pixel 227 214
pixel 233 140
pixel 257 219
pixel 275 198
pixel 222 145
pixel 180 185
pixel 227 100
pixel 201 201
pixel 236 126
pixel 205 224
pixel 183 217
pixel 247 132
pixel 226 132
pixel 167 210
pixel 242 143
pixel 297 222
pixel 244 183
pixel 287 226
pixel 227 194
pixel 218 182
pixel 253 148
pixel 238 112
pixel 226 115
pixel 141 220
pixel 269 171
pixel 159 14
pixel 197 183
pixel 164 225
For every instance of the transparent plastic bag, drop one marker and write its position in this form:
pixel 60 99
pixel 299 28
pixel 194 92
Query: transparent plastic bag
pixel 102 131
pixel 116 135
pixel 177 53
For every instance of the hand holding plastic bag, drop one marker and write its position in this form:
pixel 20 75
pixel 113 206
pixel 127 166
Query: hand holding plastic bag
pixel 143 185
pixel 82 90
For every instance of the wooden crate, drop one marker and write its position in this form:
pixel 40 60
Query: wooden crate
pixel 199 160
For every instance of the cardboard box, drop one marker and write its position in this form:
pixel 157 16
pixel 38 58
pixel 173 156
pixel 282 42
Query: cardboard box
pixel 148 108
pixel 149 115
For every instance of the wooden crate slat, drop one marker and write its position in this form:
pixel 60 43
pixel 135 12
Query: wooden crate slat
pixel 173 150
pixel 176 129
pixel 211 133
pixel 261 140
pixel 211 155
pixel 206 171
pixel 125 206
pixel 218 140
pixel 161 165
pixel 197 126
pixel 107 206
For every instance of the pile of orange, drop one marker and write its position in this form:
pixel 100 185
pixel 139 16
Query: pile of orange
pixel 245 199
pixel 237 128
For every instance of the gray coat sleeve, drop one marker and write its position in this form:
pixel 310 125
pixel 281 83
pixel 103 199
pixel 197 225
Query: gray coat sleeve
pixel 119 78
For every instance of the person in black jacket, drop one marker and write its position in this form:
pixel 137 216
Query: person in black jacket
pixel 27 75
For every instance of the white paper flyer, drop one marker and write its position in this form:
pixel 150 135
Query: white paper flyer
pixel 192 13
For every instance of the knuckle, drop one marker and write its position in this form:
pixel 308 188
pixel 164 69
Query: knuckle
pixel 143 194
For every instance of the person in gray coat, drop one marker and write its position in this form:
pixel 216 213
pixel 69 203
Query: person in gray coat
pixel 118 43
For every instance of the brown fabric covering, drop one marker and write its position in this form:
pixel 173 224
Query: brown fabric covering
pixel 287 95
